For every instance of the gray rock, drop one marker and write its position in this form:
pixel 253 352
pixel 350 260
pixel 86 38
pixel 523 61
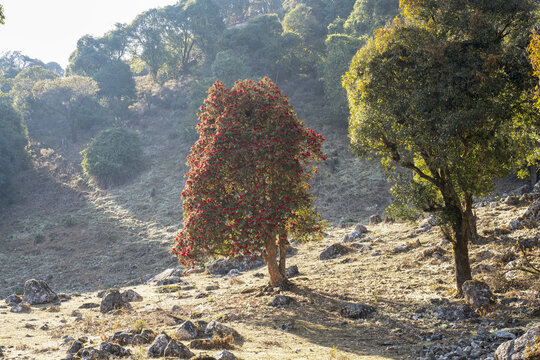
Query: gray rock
pixel 531 217
pixel 477 294
pixel 334 251
pixel 13 300
pixel 455 312
pixel 123 337
pixel 511 200
pixel 92 354
pixel 515 224
pixel 186 331
pixel 281 301
pixel 516 349
pixel 233 273
pixel 157 349
pixel 75 347
pixel 220 267
pixel 352 236
pixel 225 355
pixel 114 349
pixel 145 337
pixel 38 292
pixel 501 334
pixel 131 296
pixel 375 219
pixel 361 229
pixel 217 328
pixel 21 308
pixel 177 349
pixel 292 271
pixel 357 311
pixel 113 300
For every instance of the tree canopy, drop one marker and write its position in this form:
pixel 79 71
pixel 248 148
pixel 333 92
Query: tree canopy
pixel 441 94
pixel 247 184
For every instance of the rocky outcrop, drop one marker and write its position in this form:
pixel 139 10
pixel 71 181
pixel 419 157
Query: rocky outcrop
pixel 38 292
pixel 524 347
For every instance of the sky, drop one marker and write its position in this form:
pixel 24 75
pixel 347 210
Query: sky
pixel 49 30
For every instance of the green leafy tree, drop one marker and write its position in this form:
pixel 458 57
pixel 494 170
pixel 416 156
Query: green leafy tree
pixel 113 156
pixel 206 24
pixel 64 96
pixel 368 15
pixel 340 49
pixel 441 95
pixel 148 38
pixel 228 67
pixel 247 186
pixel 13 155
pixel 23 84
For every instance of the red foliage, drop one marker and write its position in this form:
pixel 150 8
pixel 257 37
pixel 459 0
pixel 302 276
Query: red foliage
pixel 249 173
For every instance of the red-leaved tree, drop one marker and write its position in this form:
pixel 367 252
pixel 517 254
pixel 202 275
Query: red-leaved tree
pixel 247 188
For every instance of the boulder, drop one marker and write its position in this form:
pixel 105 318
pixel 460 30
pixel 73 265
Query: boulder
pixel 334 251
pixel 477 294
pixel 146 337
pixel 113 300
pixel 131 296
pixel 163 345
pixel 114 349
pixel 375 219
pixel 186 331
pixel 357 311
pixel 38 292
pixel 92 354
pixel 526 346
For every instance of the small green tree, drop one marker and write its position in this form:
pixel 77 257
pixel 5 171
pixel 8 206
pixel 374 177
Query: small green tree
pixel 13 155
pixel 112 156
pixel 228 67
pixel 443 94
pixel 247 186
pixel 63 96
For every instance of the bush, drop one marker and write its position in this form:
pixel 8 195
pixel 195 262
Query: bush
pixel 13 155
pixel 113 156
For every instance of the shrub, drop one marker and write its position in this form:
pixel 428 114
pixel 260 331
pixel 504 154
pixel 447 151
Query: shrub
pixel 113 156
pixel 13 155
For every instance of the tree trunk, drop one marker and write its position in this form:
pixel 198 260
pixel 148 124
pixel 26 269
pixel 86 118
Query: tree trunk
pixel 283 242
pixel 270 254
pixel 462 230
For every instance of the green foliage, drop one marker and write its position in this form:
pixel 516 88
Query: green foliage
pixel 66 97
pixel 443 94
pixel 340 50
pixel 228 67
pixel 113 156
pixel 23 85
pixel 13 155
pixel 369 15
pixel 2 17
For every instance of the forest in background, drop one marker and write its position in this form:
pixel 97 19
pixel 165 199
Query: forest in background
pixel 303 46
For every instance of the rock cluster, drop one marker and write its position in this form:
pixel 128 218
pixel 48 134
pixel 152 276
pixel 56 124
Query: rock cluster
pixel 481 346
pixel 334 251
pixel 164 345
pixel 357 311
